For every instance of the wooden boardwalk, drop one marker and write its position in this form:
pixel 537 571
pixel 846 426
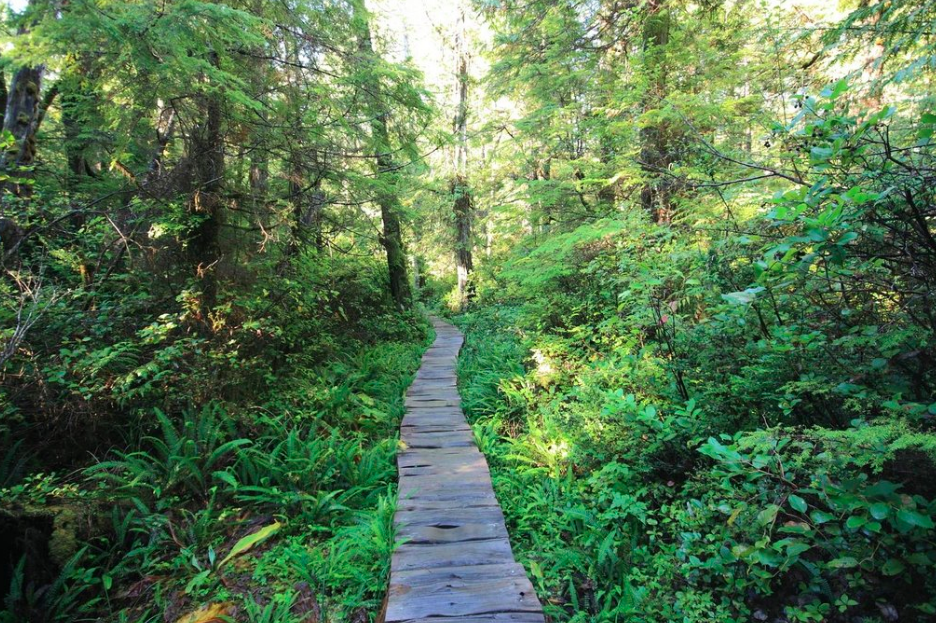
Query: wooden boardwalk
pixel 454 563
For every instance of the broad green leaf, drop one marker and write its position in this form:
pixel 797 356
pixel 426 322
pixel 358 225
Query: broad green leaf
pixel 914 518
pixel 798 503
pixel 744 297
pixel 821 517
pixel 796 548
pixel 768 557
pixel 767 515
pixel 893 567
pixel 251 540
pixel 834 91
pixel 879 510
pixel 845 562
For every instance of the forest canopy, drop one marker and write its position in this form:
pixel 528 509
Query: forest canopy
pixel 691 245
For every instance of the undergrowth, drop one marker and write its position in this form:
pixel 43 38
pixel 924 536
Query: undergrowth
pixel 800 523
pixel 271 501
pixel 721 428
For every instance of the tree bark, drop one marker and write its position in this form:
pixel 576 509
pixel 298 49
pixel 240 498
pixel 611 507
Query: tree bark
pixel 76 98
pixel 463 242
pixel 461 192
pixel 655 154
pixel 392 238
pixel 165 127
pixel 21 119
pixel 307 205
pixel 23 114
pixel 3 96
pixel 206 151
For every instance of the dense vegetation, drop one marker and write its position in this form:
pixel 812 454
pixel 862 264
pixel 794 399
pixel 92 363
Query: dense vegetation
pixel 200 341
pixel 692 247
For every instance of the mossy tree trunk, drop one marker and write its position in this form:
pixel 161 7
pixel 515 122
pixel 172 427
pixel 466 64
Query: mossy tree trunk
pixel 24 111
pixel 21 119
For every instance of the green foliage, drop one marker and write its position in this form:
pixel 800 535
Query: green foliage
pixel 700 354
pixel 66 596
pixel 312 453
pixel 192 506
pixel 687 427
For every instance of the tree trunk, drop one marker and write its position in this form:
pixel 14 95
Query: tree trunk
pixel 396 254
pixel 307 206
pixel 21 119
pixel 655 156
pixel 872 66
pixel 23 114
pixel 461 192
pixel 313 218
pixel 392 238
pixel 3 96
pixel 258 178
pixel 165 127
pixel 463 242
pixel 76 99
pixel 207 156
pixel 417 276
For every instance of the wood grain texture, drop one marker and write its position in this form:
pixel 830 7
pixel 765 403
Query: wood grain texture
pixel 453 562
pixel 460 591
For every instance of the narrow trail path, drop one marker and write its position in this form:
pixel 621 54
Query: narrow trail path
pixel 455 564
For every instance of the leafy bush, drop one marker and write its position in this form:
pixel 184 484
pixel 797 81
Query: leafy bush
pixel 736 428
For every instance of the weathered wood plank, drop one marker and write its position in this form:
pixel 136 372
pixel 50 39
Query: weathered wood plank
pixel 445 508
pixel 416 427
pixel 411 556
pixel 452 532
pixel 480 514
pixel 426 389
pixel 451 425
pixel 440 382
pixel 447 413
pixel 460 591
pixel 465 471
pixel 431 403
pixel 419 438
pixel 438 456
pixel 462 470
pixel 435 441
pixel 424 411
pixel 446 396
pixel 439 491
